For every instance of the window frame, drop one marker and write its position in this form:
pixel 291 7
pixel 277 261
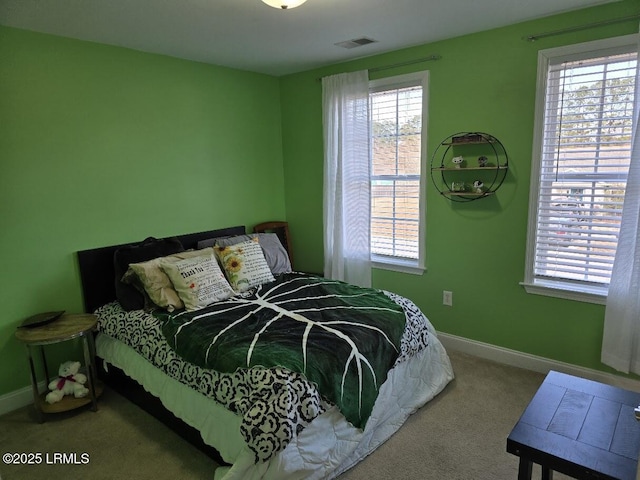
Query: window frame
pixel 394 263
pixel 566 289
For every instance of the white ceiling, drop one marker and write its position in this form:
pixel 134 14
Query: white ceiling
pixel 249 35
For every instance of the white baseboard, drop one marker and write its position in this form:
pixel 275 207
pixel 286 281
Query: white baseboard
pixel 18 398
pixel 532 362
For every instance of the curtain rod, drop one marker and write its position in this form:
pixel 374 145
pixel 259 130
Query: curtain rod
pixel 401 64
pixel 410 62
pixel 533 38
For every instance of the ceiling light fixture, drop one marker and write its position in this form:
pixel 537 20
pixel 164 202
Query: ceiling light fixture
pixel 284 4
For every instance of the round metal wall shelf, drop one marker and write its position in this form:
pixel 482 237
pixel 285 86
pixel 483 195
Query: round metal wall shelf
pixel 468 166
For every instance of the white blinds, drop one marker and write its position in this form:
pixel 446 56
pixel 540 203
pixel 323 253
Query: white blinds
pixel 396 126
pixel 585 158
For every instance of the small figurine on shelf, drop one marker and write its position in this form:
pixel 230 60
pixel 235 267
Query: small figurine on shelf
pixel 458 187
pixel 478 186
pixel 482 161
pixel 457 161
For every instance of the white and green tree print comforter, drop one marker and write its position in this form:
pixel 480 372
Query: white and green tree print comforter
pixel 280 354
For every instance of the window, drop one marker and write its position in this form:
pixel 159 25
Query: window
pixel 582 150
pixel 398 120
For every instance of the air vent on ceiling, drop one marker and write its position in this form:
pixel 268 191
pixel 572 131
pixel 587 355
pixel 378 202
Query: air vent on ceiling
pixel 356 42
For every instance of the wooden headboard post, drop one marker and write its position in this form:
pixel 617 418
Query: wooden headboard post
pixel 97 273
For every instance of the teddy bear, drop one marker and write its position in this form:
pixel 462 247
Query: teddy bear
pixel 69 382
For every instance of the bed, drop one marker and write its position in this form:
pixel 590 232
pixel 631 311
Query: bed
pixel 210 372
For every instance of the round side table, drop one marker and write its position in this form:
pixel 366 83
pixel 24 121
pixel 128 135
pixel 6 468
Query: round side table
pixel 65 328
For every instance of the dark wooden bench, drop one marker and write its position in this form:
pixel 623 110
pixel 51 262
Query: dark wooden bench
pixel 578 427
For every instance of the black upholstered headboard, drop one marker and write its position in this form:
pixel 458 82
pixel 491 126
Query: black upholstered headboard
pixel 97 272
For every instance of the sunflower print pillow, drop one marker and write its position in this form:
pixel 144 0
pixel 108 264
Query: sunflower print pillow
pixel 244 265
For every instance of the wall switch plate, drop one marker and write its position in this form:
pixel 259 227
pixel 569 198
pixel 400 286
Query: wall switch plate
pixel 447 298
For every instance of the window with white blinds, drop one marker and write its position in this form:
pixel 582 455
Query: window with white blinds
pixel 584 130
pixel 397 160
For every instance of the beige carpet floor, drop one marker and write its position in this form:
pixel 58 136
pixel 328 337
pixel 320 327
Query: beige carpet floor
pixel 460 435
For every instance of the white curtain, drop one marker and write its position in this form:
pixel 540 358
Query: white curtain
pixel 621 341
pixel 347 191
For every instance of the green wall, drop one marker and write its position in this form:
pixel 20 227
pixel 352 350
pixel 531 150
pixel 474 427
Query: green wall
pixel 102 145
pixel 484 82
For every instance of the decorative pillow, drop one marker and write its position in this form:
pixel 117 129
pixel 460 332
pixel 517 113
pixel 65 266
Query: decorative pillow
pixel 274 252
pixel 155 281
pixel 244 264
pixel 198 280
pixel 131 278
pixel 128 295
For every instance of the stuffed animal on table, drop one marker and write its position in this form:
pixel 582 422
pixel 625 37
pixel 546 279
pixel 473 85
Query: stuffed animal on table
pixel 69 382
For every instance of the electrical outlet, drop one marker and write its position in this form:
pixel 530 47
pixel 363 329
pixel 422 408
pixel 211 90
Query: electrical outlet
pixel 447 298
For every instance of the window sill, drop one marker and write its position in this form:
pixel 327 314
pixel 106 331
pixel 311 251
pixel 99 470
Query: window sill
pixel 398 266
pixel 568 291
